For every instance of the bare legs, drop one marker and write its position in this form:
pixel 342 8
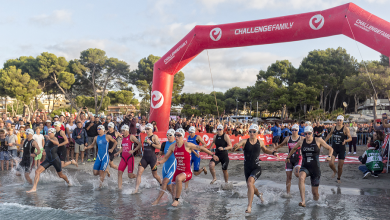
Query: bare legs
pixel 302 177
pixel 333 167
pixel 82 157
pixel 289 178
pixel 139 175
pixel 196 173
pixel 102 174
pixel 37 175
pixel 164 187
pixel 177 190
pixel 225 175
pixel 212 171
pixel 64 164
pixel 120 174
pixel 252 190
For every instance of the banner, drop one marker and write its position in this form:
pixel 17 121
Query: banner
pixel 208 138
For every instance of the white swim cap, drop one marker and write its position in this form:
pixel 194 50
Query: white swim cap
pixel 111 125
pixel 254 127
pixel 57 124
pixel 220 126
pixel 181 131
pixel 125 128
pixel 52 130
pixel 29 131
pixel 295 126
pixel 171 131
pixel 308 129
pixel 150 126
pixel 101 127
pixel 340 117
pixel 191 129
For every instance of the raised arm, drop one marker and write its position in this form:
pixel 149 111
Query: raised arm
pixel 240 144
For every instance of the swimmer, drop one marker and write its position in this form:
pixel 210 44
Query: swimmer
pixel 252 168
pixel 149 158
pixel 183 172
pixel 52 159
pixel 112 148
pixel 127 157
pixel 169 166
pixel 296 159
pixel 310 148
pixel 223 144
pixel 195 158
pixel 28 148
pixel 63 141
pixel 102 140
pixel 341 136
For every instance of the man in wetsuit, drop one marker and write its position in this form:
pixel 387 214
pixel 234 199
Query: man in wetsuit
pixel 112 148
pixel 222 145
pixel 169 166
pixel 52 159
pixel 296 160
pixel 341 136
pixel 62 140
pixel 183 172
pixel 149 158
pixel 102 159
pixel 252 168
pixel 310 148
pixel 27 148
pixel 127 157
pixel 195 158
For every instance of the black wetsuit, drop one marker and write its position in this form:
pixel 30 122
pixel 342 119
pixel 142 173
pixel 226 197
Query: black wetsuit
pixel 52 158
pixel 252 166
pixel 337 144
pixel 61 149
pixel 222 154
pixel 149 157
pixel 28 149
pixel 111 145
pixel 311 161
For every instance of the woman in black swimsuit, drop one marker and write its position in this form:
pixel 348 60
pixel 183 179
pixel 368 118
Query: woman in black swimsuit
pixel 310 148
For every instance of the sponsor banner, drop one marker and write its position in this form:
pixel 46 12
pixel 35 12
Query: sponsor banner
pixel 368 28
pixel 282 157
pixel 208 138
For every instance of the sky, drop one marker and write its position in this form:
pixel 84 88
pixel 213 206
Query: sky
pixel 132 30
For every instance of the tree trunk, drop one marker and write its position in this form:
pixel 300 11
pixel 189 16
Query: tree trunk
pixel 330 107
pixel 321 99
pixel 24 111
pixel 6 105
pixel 36 103
pixel 334 100
pixel 374 107
pixel 356 103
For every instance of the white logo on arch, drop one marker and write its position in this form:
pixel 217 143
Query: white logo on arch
pixel 206 139
pixel 156 95
pixel 217 32
pixel 318 19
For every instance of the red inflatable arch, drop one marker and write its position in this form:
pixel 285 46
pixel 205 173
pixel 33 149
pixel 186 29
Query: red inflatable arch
pixel 348 19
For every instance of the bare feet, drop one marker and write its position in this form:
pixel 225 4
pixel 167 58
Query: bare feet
pixel 334 174
pixel 74 163
pixel 338 180
pixel 108 173
pixel 302 204
pixel 213 181
pixel 69 184
pixel 31 191
pixel 205 170
pixel 155 202
pixel 135 191
pixel 248 209
pixel 175 203
pixel 261 198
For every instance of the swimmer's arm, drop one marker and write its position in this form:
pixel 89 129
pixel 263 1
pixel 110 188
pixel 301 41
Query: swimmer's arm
pixel 329 135
pixel 283 143
pixel 201 140
pixel 62 133
pixel 298 145
pixel 201 148
pixel 325 145
pixel 229 143
pixel 167 155
pixel 93 143
pixel 240 144
pixel 110 138
pixel 135 140
pixel 196 154
pixel 346 131
pixel 212 144
pixel 265 150
pixel 35 144
pixel 156 142
pixel 54 140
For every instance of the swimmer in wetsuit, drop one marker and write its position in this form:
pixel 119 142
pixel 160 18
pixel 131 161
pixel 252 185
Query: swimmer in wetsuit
pixel 195 159
pixel 102 140
pixel 151 143
pixel 252 168
pixel 112 148
pixel 222 145
pixel 52 159
pixel 296 159
pixel 28 148
pixel 127 157
pixel 183 172
pixel 310 148
pixel 63 141
pixel 169 166
pixel 341 135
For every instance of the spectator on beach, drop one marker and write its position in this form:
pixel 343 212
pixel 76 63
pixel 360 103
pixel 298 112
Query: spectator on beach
pixel 301 129
pixel 372 157
pixel 352 131
pixel 276 133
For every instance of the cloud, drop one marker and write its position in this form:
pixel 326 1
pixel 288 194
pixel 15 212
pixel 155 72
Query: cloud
pixel 56 17
pixel 211 5
pixel 230 67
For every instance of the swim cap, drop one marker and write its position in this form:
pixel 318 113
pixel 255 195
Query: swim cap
pixel 295 126
pixel 125 128
pixel 254 127
pixel 191 129
pixel 181 131
pixel 308 129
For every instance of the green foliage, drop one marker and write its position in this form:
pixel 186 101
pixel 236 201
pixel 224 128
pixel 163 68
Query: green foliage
pixel 384 60
pixel 87 101
pixel 121 97
pixel 60 110
pixel 200 104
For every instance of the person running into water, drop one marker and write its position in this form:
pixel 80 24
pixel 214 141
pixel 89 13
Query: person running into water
pixel 195 158
pixel 28 148
pixel 183 172
pixel 102 160
pixel 222 145
pixel 169 166
pixel 341 136
pixel 252 168
pixel 296 159
pixel 151 143
pixel 52 159
pixel 112 148
pixel 310 148
pixel 62 140
pixel 127 157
